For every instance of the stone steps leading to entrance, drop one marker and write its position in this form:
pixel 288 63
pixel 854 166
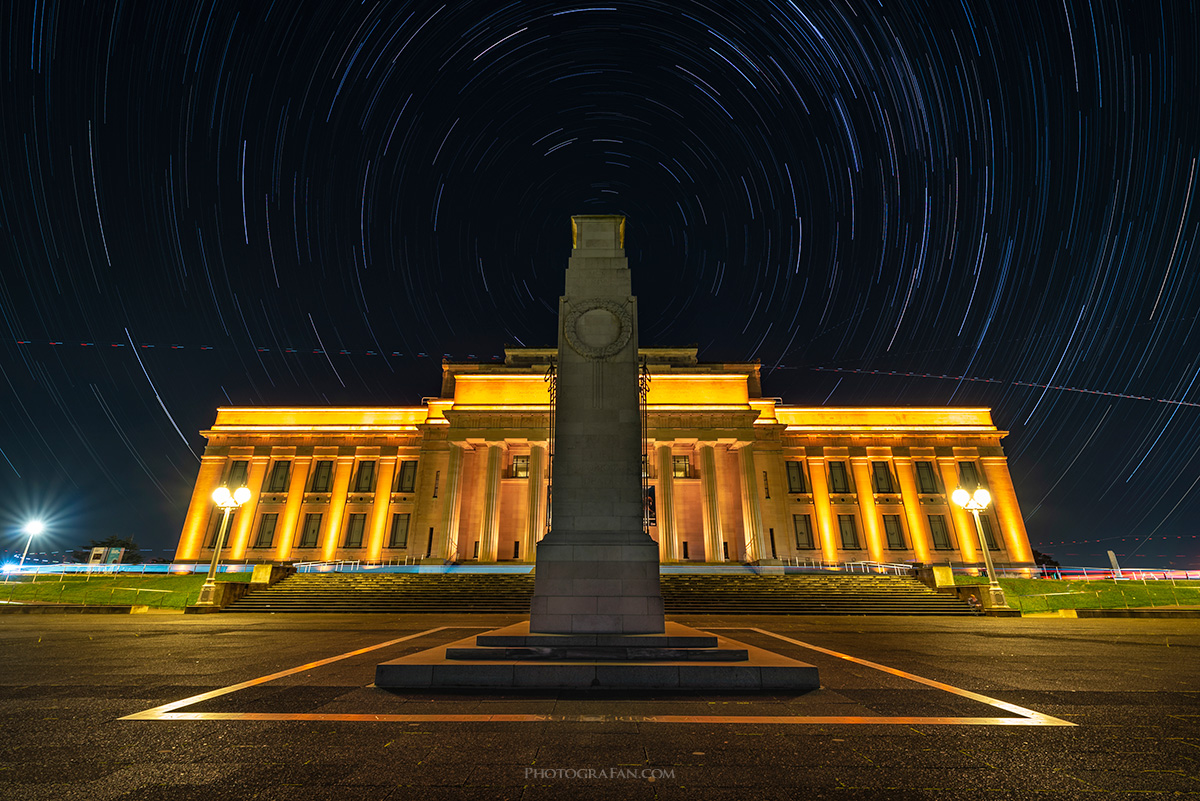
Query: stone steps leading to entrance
pixel 810 593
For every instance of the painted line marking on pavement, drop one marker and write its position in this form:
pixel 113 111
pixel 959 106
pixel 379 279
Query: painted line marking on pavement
pixel 1028 717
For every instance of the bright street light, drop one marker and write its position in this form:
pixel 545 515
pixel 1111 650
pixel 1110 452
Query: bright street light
pixel 32 528
pixel 227 501
pixel 975 503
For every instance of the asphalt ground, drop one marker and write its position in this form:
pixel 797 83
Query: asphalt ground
pixel 1130 687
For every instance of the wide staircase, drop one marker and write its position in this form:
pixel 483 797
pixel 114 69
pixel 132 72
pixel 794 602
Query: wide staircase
pixel 706 594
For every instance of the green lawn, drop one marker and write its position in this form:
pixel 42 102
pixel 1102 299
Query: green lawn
pixel 157 591
pixel 1048 595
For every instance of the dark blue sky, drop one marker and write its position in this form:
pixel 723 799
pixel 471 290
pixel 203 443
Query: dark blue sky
pixel 196 196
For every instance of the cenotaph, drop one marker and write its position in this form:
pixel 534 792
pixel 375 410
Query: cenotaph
pixel 596 619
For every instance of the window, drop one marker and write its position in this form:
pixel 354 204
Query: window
pixel 680 467
pixel 839 479
pixel 354 530
pixel 520 466
pixel 895 534
pixel 849 532
pixel 475 550
pixel 365 480
pixel 969 476
pixel 939 532
pixel 399 537
pixel 766 486
pixel 311 531
pixel 795 474
pixel 986 523
pixel 804 535
pixel 322 473
pixel 516 549
pixel 237 474
pixel 882 477
pixel 725 550
pixel 437 481
pixel 279 476
pixel 926 478
pixel 685 552
pixel 407 482
pixel 266 531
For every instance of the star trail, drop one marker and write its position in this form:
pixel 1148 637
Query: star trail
pixel 308 203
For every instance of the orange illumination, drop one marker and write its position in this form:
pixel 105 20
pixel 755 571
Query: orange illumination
pixel 843 418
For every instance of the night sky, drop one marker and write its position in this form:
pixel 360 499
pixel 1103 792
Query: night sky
pixel 308 203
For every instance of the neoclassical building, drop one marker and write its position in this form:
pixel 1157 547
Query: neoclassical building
pixel 467 476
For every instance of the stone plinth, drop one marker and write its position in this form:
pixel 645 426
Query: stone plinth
pixel 759 670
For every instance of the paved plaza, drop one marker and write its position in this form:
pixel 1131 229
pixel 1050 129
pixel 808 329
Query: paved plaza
pixel 282 707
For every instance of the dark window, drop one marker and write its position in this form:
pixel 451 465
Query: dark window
pixel 322 473
pixel 517 549
pixel 849 532
pixel 939 532
pixel 926 478
pixel 679 466
pixel 408 477
pixel 986 523
pixel 839 480
pixel 969 476
pixel 685 550
pixel 437 480
pixel 520 466
pixel 804 535
pixel 771 534
pixel 354 530
pixel 311 531
pixel 894 532
pixel 399 538
pixel 237 474
pixel 725 550
pixel 279 477
pixel 766 486
pixel 365 480
pixel 475 550
pixel 218 515
pixel 266 531
pixel 795 473
pixel 882 477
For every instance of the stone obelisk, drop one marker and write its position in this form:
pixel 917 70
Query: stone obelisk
pixel 597 568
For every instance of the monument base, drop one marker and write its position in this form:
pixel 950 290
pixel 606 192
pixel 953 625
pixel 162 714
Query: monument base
pixel 597 582
pixel 674 660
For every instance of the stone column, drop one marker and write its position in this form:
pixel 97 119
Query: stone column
pixel 866 506
pixel 489 526
pixel 446 546
pixel 756 546
pixel 962 520
pixel 714 539
pixel 535 523
pixel 286 530
pixel 918 525
pixel 239 538
pixel 337 504
pixel 821 508
pixel 379 509
pixel 1004 504
pixel 200 508
pixel 668 537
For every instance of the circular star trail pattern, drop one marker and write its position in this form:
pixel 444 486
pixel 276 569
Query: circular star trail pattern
pixel 214 203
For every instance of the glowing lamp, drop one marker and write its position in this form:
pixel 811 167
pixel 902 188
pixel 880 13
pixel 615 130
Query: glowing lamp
pixel 960 496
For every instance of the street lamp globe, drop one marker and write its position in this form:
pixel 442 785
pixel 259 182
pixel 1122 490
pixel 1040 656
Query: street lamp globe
pixel 982 497
pixel 960 496
pixel 240 495
pixel 221 496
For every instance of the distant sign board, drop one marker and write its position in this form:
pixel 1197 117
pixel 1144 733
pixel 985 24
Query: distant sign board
pixel 106 556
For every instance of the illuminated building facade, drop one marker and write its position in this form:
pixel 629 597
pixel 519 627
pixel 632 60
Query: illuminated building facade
pixel 465 476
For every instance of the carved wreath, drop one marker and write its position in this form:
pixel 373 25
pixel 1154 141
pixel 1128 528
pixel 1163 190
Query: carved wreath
pixel 598 336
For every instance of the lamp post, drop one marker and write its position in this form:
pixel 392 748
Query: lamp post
pixel 975 503
pixel 227 502
pixel 32 528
